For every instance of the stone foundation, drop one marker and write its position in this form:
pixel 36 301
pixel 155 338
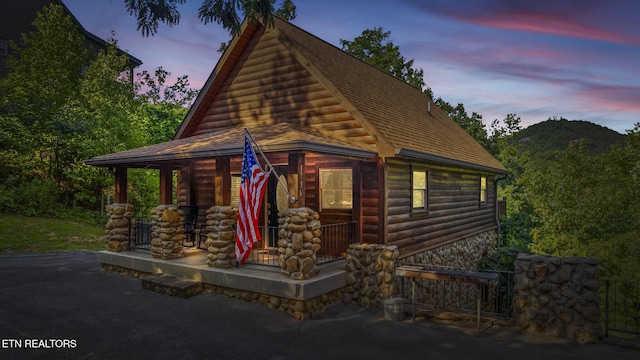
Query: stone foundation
pixel 370 274
pixel 299 309
pixel 221 236
pixel 559 296
pixel 117 228
pixel 298 242
pixel 167 232
pixel 464 255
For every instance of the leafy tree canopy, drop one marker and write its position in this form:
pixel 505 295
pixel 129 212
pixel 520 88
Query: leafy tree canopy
pixel 375 48
pixel 150 13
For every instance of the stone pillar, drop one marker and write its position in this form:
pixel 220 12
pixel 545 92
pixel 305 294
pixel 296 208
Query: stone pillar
pixel 371 273
pixel 299 241
pixel 167 232
pixel 559 296
pixel 118 226
pixel 221 236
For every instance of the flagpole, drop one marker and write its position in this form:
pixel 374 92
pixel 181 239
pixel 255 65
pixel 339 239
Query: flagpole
pixel 291 198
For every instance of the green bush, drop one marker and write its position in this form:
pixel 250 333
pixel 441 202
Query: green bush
pixel 33 198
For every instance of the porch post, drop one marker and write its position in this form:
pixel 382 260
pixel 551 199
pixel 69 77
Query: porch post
pixel 121 184
pixel 119 227
pixel 222 182
pixel 166 184
pixel 295 179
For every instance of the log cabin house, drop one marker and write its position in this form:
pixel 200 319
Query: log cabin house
pixel 351 142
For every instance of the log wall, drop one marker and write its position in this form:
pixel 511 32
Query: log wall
pixel 454 212
pixel 267 85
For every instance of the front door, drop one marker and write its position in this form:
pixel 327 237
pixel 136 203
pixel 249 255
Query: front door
pixel 277 201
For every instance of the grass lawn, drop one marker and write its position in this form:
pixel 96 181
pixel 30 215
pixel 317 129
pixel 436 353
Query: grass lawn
pixel 20 234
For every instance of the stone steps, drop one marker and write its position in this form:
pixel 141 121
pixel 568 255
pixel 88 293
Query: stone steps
pixel 171 285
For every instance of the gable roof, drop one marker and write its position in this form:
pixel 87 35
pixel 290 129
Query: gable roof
pixel 402 119
pixel 385 116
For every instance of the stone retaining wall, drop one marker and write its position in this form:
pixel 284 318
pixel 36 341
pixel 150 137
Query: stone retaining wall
pixel 120 216
pixel 221 236
pixel 298 242
pixel 559 296
pixel 167 232
pixel 370 274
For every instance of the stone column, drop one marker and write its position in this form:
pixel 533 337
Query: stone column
pixel 167 232
pixel 299 241
pixel 371 273
pixel 118 226
pixel 559 296
pixel 221 235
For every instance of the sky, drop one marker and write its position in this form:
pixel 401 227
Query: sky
pixel 576 59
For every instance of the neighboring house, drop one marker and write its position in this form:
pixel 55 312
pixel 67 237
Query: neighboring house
pixel 352 142
pixel 16 18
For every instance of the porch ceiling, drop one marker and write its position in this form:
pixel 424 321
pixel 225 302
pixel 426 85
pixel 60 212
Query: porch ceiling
pixel 282 137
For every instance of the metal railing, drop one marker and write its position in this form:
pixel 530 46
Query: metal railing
pixel 140 233
pixel 335 242
pixel 462 297
pixel 621 308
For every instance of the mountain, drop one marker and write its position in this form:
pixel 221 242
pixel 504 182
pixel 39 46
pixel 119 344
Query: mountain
pixel 542 139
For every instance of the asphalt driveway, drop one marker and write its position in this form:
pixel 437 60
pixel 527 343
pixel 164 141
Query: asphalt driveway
pixel 61 306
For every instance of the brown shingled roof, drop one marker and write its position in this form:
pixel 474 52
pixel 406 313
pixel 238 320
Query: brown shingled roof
pixel 229 142
pixel 394 112
pixel 397 111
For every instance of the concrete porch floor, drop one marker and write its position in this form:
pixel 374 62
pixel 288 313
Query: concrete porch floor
pixel 248 277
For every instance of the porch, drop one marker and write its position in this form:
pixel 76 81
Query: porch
pixel 249 277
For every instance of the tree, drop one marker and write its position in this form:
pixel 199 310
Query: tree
pixel 41 93
pixel 150 13
pixel 472 124
pixel 164 105
pixel 587 206
pixel 375 48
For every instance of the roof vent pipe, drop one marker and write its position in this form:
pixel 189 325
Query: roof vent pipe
pixel 429 107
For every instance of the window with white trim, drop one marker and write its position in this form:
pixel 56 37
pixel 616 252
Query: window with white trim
pixel 336 189
pixel 419 189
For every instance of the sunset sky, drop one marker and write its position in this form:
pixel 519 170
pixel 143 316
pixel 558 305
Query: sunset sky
pixel 538 59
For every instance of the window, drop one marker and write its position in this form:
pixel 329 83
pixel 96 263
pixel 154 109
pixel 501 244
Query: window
pixel 4 48
pixel 483 190
pixel 336 189
pixel 235 190
pixel 419 194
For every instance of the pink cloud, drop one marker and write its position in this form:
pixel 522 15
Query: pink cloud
pixel 548 23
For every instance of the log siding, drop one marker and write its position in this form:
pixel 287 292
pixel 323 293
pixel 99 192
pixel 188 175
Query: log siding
pixel 455 211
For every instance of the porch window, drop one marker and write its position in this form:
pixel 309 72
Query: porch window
pixel 235 190
pixel 336 189
pixel 483 190
pixel 419 199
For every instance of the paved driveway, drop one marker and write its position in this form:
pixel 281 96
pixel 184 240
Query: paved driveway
pixel 60 305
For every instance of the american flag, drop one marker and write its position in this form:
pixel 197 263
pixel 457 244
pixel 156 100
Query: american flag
pixel 253 182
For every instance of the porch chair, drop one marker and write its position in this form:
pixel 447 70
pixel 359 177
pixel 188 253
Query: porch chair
pixel 190 221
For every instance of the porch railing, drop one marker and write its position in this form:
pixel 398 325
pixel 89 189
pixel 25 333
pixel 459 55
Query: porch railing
pixel 140 233
pixel 335 242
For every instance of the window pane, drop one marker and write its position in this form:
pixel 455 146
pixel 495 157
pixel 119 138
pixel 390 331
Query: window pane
pixel 336 189
pixel 418 198
pixel 483 189
pixel 235 190
pixel 419 180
